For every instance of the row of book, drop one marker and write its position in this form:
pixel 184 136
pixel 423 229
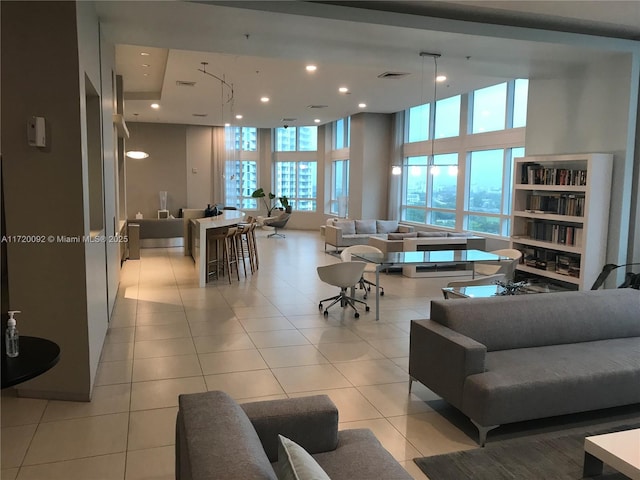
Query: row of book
pixel 560 204
pixel 551 261
pixel 555 233
pixel 536 174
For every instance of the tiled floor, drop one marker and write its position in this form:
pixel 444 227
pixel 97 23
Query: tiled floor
pixel 262 337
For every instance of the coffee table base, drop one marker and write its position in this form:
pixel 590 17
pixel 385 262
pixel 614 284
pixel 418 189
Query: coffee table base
pixel 619 450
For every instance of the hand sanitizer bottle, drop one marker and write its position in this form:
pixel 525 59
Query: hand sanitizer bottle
pixel 11 337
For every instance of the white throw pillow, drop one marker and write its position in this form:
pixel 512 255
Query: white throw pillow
pixel 294 463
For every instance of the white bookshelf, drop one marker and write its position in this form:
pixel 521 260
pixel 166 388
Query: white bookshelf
pixel 560 215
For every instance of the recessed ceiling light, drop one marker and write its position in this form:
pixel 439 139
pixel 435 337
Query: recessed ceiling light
pixel 264 99
pixel 137 154
pixel 343 89
pixel 145 54
pixel 317 120
pixel 155 105
pixel 362 105
pixel 227 124
pixel 441 78
pixel 145 74
pixel 239 117
pixel 311 68
pixel 146 65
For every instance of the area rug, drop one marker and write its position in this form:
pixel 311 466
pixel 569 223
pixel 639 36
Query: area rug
pixel 550 456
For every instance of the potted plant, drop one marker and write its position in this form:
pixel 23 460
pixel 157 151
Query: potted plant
pixel 271 205
pixel 284 201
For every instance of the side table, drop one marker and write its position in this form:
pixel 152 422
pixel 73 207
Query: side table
pixel 37 355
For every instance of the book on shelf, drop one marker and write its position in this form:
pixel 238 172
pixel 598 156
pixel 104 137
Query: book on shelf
pixel 535 174
pixel 559 233
pixel 560 204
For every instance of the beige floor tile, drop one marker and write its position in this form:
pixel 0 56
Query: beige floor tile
pixel 393 399
pixel 78 438
pixel 263 399
pixel 152 428
pixel 329 335
pixel 219 315
pixel 10 473
pixel 145 369
pixel 145 307
pixel 163 393
pixel 115 352
pixel 223 342
pixel 292 356
pixel 161 318
pixel 413 470
pixel 391 347
pixel 402 362
pixel 309 378
pixel 372 372
pixel 349 351
pixel 123 320
pixel 15 442
pixel 307 308
pixel 391 438
pixel 278 338
pixel 119 335
pixel 110 373
pixel 20 411
pixel 162 332
pixel 377 330
pixel 154 463
pixel 262 324
pixel 311 321
pixel 352 405
pixel 164 348
pixel 260 311
pixel 105 399
pixel 203 329
pixel 432 434
pixel 233 361
pixel 251 384
pixel 101 467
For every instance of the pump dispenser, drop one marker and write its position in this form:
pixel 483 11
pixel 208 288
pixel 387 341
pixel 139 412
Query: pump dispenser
pixel 11 337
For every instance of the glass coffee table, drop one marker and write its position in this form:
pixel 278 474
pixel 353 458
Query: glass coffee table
pixel 485 291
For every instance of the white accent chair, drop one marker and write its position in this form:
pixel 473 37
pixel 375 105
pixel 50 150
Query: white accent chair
pixel 363 283
pixel 506 267
pixel 344 275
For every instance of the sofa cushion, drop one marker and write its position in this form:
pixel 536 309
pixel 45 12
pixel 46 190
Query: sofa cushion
pixel 218 438
pixel 554 380
pixel 348 227
pixel 536 320
pixel 402 236
pixel 386 226
pixel 432 234
pixel 457 234
pixel 366 226
pixel 294 463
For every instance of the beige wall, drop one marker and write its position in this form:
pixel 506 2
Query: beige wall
pixel 164 169
pixel 198 167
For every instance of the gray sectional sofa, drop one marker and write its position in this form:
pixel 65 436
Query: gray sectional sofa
pixel 216 438
pixel 513 358
pixel 341 233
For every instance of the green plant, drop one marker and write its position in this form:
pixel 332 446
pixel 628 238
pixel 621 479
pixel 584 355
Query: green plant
pixel 271 205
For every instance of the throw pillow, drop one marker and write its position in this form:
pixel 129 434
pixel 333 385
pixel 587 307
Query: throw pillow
pixel 387 226
pixel 294 463
pixel 348 227
pixel 365 226
pixel 402 236
pixel 432 234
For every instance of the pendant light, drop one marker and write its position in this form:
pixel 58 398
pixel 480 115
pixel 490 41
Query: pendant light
pixel 134 153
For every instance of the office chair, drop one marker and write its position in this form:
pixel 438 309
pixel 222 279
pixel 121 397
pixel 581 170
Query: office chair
pixel 346 256
pixel 344 275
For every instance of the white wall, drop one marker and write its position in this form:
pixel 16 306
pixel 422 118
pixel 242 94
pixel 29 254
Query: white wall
pixel 588 111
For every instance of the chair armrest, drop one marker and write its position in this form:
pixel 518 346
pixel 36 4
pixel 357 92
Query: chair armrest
pixel 441 359
pixel 311 422
pixel 333 236
pixel 405 229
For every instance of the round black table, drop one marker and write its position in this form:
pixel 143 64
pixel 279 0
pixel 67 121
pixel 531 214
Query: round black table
pixel 37 355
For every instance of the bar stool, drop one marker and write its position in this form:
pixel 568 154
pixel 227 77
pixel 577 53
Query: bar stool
pixel 246 244
pixel 240 248
pixel 225 241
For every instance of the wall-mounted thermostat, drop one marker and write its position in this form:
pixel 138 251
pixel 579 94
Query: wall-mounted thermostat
pixel 36 136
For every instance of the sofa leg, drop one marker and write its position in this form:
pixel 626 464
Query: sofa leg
pixel 482 432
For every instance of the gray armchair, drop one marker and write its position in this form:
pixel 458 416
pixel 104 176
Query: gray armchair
pixel 277 222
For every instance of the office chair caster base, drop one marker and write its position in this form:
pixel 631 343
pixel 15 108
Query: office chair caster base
pixel 367 308
pixel 326 313
pixel 320 307
pixel 357 315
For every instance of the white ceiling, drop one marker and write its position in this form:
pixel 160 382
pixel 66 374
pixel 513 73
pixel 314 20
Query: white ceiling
pixel 263 53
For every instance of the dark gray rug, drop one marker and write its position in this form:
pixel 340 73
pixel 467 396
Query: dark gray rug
pixel 549 456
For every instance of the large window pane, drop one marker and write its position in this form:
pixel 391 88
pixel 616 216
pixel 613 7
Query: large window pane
pixel 339 134
pixel 298 182
pixel 485 181
pixel 308 141
pixel 444 181
pixel 448 117
pixel 489 108
pixel 339 187
pixel 443 219
pixel 418 123
pixel 249 139
pixel 520 98
pixel 415 191
pixel 286 139
pixel 482 224
pixel 241 180
pixel 415 215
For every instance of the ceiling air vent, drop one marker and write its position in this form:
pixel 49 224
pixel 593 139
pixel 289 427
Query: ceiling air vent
pixel 184 83
pixel 199 114
pixel 317 106
pixel 393 75
pixel 289 119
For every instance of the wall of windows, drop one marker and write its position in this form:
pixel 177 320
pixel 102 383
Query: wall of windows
pixel 464 179
pixel 339 188
pixel 296 166
pixel 241 167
